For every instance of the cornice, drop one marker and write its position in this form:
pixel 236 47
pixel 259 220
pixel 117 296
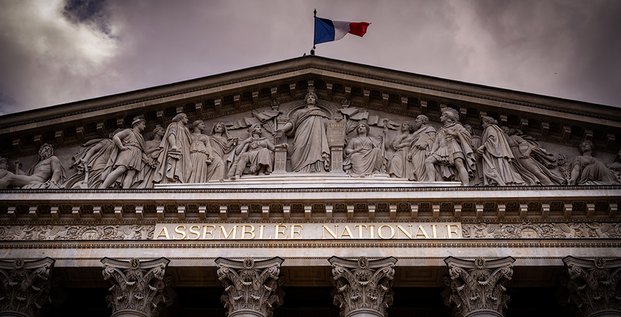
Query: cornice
pixel 303 66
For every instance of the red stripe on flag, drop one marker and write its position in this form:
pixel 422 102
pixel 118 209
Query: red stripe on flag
pixel 358 28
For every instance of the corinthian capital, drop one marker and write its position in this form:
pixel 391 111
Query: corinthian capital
pixel 363 286
pixel 137 286
pixel 477 288
pixel 593 285
pixel 24 286
pixel 251 287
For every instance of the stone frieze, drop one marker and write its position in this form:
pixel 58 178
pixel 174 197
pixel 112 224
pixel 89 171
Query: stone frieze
pixel 469 231
pixel 541 230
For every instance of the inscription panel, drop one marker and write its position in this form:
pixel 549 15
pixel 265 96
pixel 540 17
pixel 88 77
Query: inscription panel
pixel 307 231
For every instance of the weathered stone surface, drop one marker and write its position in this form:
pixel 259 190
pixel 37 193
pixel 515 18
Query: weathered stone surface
pixel 24 286
pixel 477 287
pixel 594 285
pixel 252 288
pixel 363 286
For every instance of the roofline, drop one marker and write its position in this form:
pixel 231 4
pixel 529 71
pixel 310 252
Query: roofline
pixel 304 62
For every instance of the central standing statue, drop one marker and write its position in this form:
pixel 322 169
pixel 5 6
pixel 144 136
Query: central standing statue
pixel 311 153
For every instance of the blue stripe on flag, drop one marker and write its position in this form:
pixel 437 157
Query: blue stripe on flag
pixel 324 30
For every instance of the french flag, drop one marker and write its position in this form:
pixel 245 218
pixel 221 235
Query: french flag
pixel 327 30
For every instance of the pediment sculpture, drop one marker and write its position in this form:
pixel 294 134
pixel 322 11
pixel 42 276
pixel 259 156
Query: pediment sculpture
pixel 313 136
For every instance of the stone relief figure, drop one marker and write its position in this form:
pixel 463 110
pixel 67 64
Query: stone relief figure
pixel 204 163
pixel 364 154
pixel 127 158
pixel 90 162
pixel 615 166
pixel 399 165
pixel 175 164
pixel 223 146
pixel 424 136
pixel 532 161
pixel 152 150
pixel 587 170
pixel 497 157
pixel 269 118
pixel 46 173
pixel 311 152
pixel 256 152
pixel 451 155
pixel 475 142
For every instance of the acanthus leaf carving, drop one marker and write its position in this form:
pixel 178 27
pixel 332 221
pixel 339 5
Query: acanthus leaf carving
pixel 24 286
pixel 363 286
pixel 138 287
pixel 593 285
pixel 478 285
pixel 250 286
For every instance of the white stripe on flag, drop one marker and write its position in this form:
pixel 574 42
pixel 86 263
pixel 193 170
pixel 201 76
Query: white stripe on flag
pixel 341 28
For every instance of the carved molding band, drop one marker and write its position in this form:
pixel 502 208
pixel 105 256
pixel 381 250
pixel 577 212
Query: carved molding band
pixel 477 288
pixel 25 286
pixel 137 286
pixel 77 232
pixel 594 284
pixel 541 230
pixel 363 286
pixel 251 287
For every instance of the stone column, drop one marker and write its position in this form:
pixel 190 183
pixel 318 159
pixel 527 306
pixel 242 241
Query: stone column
pixel 24 286
pixel 137 286
pixel 593 285
pixel 477 288
pixel 251 288
pixel 363 286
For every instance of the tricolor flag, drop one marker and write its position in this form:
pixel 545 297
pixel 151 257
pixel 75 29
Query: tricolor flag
pixel 327 30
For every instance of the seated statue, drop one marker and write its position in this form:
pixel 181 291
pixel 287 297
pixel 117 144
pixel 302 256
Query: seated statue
pixel 587 170
pixel 45 174
pixel 256 152
pixel 365 154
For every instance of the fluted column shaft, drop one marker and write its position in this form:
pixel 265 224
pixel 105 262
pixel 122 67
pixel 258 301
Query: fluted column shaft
pixel 24 286
pixel 251 288
pixel 593 285
pixel 137 286
pixel 476 288
pixel 363 286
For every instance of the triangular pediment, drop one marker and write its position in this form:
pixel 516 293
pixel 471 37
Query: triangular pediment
pixel 382 98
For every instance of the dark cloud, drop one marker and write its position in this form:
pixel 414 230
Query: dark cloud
pixel 88 11
pixel 79 49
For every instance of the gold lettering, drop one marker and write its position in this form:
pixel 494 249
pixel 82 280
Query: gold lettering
pixel 392 232
pixel 404 231
pixel 279 229
pixel 247 229
pixel 450 228
pixel 330 232
pixel 195 230
pixel 421 231
pixel 261 228
pixel 296 231
pixel 180 229
pixel 346 233
pixel 360 227
pixel 372 231
pixel 231 234
pixel 434 231
pixel 163 232
pixel 208 231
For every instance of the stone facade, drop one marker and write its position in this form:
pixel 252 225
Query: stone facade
pixel 312 174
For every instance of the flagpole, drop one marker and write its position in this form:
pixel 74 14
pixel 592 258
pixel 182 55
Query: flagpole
pixel 312 52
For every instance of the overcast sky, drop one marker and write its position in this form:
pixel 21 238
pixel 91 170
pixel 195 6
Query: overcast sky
pixel 58 51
